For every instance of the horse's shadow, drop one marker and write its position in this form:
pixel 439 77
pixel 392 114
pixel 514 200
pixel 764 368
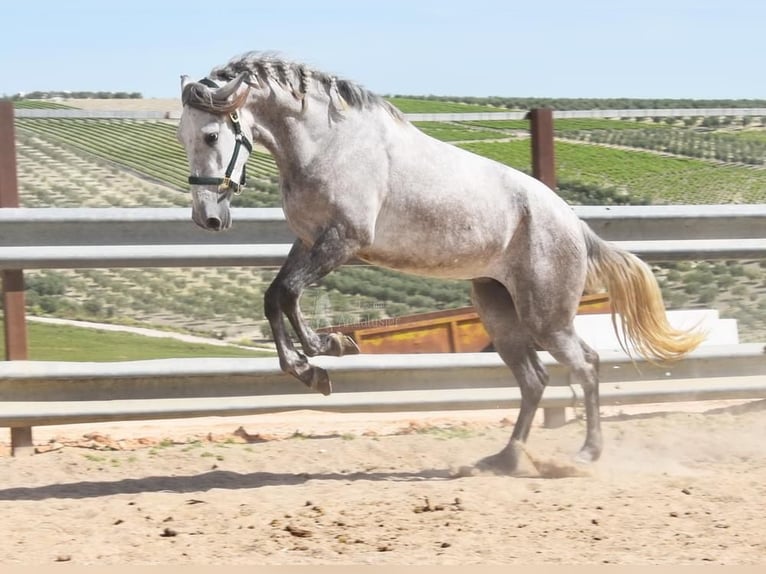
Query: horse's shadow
pixel 205 481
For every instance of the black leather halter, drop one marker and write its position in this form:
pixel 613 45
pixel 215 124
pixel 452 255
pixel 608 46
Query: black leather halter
pixel 224 183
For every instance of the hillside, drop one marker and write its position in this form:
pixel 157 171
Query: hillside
pixel 68 163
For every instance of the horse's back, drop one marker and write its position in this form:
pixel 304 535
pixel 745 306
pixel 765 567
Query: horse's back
pixel 474 187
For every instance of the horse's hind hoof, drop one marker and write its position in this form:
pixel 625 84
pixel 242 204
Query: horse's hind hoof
pixel 588 455
pixel 341 344
pixel 511 461
pixel 503 463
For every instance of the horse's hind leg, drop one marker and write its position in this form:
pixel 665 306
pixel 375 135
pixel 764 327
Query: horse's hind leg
pixel 513 342
pixel 570 350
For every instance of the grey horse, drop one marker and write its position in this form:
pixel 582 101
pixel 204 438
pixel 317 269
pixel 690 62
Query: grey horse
pixel 359 181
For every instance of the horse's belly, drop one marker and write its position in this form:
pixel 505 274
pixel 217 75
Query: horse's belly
pixel 434 259
pixel 452 243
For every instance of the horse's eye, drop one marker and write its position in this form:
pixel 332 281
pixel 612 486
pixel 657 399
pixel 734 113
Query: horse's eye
pixel 210 139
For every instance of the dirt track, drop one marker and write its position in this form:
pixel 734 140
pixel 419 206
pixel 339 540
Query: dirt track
pixel 672 488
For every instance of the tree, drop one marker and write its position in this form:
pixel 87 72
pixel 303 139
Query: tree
pixel 711 122
pixel 93 307
pixel 708 294
pixel 45 284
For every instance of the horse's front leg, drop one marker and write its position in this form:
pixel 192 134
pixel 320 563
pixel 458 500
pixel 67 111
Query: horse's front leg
pixel 313 343
pixel 303 266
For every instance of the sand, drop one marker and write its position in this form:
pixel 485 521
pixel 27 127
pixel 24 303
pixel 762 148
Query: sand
pixel 676 486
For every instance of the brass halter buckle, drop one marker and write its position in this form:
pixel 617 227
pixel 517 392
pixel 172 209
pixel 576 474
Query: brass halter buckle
pixel 225 185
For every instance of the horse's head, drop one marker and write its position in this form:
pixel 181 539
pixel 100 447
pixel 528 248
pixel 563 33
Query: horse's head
pixel 217 142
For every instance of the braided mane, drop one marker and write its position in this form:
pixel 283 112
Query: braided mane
pixel 293 77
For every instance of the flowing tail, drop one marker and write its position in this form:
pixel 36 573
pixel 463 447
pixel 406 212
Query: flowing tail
pixel 636 297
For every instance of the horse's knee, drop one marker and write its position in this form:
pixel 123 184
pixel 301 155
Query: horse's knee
pixel 532 391
pixel 278 297
pixel 271 305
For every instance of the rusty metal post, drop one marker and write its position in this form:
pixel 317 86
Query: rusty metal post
pixel 543 155
pixel 12 279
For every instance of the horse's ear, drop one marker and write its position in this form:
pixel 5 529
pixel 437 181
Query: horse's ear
pixel 223 93
pixel 185 81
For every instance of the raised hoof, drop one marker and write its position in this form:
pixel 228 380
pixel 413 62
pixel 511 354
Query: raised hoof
pixel 341 344
pixel 318 380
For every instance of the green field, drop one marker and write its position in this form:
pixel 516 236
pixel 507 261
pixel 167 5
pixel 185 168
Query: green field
pixel 756 136
pixel 743 147
pixel 150 148
pixel 65 343
pixel 567 124
pixel 514 103
pixel 39 105
pixel 659 179
pixel 606 124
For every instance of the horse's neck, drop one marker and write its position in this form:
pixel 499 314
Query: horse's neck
pixel 297 142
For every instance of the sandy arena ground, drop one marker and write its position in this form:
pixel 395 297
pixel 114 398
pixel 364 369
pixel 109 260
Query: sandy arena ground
pixel 679 486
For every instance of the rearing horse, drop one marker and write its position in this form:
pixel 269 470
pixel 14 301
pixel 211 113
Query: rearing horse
pixel 359 181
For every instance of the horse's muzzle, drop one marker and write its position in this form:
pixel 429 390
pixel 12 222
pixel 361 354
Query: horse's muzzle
pixel 213 222
pixel 210 213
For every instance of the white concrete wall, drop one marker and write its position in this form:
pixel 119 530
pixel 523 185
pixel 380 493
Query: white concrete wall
pixel 597 330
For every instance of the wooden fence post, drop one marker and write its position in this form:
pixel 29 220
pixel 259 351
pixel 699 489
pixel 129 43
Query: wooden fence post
pixel 12 279
pixel 543 155
pixel 544 169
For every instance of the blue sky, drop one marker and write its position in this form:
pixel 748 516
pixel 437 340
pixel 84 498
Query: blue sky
pixel 590 48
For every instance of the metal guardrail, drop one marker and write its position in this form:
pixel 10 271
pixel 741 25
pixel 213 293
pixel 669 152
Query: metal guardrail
pixel 38 238
pixel 45 393
pixel 40 393
pixel 33 393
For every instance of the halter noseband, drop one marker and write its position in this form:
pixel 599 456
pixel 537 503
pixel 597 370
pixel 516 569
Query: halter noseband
pixel 225 183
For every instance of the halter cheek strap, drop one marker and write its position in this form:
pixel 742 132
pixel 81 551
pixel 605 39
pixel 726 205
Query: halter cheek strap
pixel 224 183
